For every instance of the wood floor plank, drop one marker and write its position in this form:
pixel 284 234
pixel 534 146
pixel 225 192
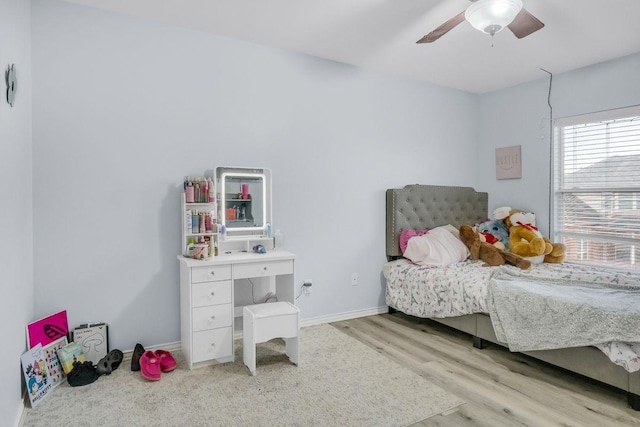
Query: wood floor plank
pixel 500 388
pixel 533 368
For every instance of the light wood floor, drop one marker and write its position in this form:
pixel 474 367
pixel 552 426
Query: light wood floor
pixel 500 388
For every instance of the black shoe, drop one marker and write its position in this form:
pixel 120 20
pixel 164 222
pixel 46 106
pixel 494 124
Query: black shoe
pixel 135 357
pixel 109 363
pixel 82 374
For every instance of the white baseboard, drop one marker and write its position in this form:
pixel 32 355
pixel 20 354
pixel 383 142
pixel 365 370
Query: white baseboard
pixel 344 316
pixel 21 414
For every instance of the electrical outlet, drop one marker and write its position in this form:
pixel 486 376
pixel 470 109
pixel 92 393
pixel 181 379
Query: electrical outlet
pixel 307 284
pixel 354 279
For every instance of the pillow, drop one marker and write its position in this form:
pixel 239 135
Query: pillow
pixel 405 235
pixel 437 248
pixel 68 354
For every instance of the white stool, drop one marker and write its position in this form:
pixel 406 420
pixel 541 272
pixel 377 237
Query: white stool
pixel 264 322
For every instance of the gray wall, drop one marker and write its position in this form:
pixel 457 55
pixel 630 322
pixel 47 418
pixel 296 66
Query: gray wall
pixel 124 108
pixel 520 116
pixel 16 230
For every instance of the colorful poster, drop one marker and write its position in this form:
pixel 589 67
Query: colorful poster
pixel 56 374
pixel 48 329
pixel 36 375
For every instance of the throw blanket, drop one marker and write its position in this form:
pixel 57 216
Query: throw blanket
pixel 549 309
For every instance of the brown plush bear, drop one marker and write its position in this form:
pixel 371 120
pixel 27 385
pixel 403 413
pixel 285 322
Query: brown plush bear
pixel 488 253
pixel 557 254
pixel 525 239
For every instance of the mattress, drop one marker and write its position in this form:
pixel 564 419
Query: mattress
pixel 462 288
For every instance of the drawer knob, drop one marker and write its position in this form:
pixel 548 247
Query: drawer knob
pixel 213 293
pixel 213 344
pixel 213 317
pixel 264 268
pixel 212 272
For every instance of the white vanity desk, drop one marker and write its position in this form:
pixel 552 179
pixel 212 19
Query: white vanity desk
pixel 207 306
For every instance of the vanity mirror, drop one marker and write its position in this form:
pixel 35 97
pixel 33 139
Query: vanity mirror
pixel 244 200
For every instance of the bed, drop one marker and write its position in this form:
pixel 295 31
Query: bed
pixel 461 300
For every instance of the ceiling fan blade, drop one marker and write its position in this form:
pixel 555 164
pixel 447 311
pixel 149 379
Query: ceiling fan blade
pixel 524 24
pixel 442 29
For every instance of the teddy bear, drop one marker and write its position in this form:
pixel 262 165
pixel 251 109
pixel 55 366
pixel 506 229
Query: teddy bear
pixel 494 232
pixel 488 253
pixel 524 237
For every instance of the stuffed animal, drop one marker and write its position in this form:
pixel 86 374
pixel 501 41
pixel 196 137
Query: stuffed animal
pixel 524 237
pixel 488 253
pixel 495 232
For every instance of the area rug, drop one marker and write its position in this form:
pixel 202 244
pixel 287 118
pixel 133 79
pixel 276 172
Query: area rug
pixel 339 381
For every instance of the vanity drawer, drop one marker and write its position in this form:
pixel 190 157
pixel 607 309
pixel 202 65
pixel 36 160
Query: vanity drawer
pixel 259 269
pixel 214 316
pixel 211 293
pixel 212 344
pixel 210 273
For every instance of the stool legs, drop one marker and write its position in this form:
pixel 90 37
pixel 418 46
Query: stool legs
pixel 293 349
pixel 249 344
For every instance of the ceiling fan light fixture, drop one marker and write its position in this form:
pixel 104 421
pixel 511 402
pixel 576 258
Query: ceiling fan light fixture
pixel 491 16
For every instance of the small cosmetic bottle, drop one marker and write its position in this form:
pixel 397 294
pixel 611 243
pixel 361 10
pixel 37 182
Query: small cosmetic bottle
pixel 189 193
pixel 195 222
pixel 212 192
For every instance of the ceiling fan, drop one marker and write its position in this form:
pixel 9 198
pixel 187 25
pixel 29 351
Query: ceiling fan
pixel 490 17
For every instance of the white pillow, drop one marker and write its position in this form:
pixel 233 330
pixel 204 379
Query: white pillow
pixel 436 248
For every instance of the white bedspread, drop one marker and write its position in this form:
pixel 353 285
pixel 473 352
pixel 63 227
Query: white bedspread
pixel 462 288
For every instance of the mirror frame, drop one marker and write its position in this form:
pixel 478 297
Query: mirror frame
pixel 224 172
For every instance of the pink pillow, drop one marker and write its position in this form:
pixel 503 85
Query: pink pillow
pixel 405 235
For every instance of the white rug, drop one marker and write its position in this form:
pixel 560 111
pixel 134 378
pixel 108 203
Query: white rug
pixel 340 381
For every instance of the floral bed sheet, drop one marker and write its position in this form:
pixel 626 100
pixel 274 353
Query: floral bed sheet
pixel 462 288
pixel 449 291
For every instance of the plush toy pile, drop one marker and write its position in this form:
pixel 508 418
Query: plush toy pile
pixel 524 237
pixel 487 252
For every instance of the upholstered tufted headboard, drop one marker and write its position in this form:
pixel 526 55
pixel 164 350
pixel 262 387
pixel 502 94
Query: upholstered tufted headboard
pixel 429 206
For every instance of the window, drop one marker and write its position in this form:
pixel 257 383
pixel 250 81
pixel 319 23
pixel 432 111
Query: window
pixel 597 188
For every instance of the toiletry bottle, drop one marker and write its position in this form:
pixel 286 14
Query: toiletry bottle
pixel 189 192
pixel 267 230
pixel 212 192
pixel 197 193
pixel 203 227
pixel 195 222
pixel 204 191
pixel 188 224
pixel 190 248
pixel 277 239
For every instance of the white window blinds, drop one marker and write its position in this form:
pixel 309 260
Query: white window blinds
pixel 597 188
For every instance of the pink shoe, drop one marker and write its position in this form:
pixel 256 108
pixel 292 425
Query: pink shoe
pixel 167 362
pixel 150 366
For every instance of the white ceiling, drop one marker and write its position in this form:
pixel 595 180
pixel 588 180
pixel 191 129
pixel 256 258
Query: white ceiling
pixel 380 35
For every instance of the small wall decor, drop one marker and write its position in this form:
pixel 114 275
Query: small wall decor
pixel 508 162
pixel 12 83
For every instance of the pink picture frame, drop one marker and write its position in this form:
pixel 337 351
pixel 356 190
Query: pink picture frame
pixel 48 329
